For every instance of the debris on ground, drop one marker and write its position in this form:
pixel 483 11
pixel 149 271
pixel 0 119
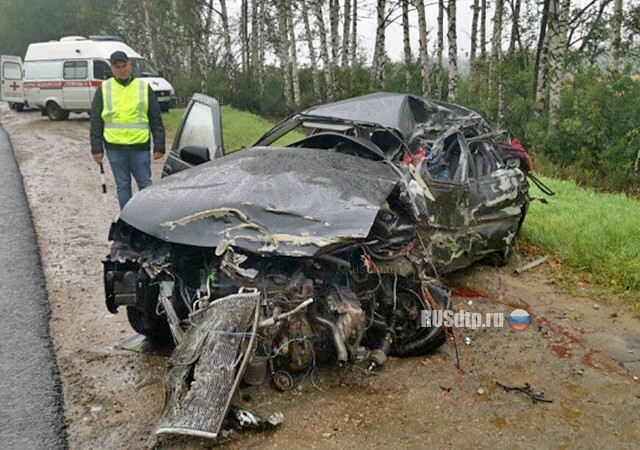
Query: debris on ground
pixel 536 396
pixel 531 265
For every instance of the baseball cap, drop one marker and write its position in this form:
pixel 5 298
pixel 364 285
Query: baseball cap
pixel 118 56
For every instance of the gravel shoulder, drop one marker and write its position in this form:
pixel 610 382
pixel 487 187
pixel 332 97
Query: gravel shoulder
pixel 583 353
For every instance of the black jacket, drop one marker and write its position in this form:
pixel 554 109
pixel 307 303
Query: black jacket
pixel 98 144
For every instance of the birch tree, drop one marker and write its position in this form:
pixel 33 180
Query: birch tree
pixel 424 51
pixel 496 44
pixel 440 50
pixel 334 18
pixel 324 54
pixel 315 76
pixel 474 32
pixel 283 52
pixel 253 40
pixel 615 35
pixel 515 25
pixel 380 52
pixel 244 35
pixel 440 43
pixel 295 79
pixel 542 58
pixel 483 29
pixel 557 52
pixel 452 39
pixel 406 42
pixel 354 33
pixel 261 43
pixel 229 65
pixel 495 83
pixel 346 25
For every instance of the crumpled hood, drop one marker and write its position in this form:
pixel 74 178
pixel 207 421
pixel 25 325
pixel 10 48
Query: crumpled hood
pixel 287 201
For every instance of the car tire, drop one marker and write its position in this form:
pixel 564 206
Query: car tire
pixel 55 112
pixel 144 320
pixel 431 342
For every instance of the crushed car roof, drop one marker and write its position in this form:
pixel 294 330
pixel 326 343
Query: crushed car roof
pixel 402 112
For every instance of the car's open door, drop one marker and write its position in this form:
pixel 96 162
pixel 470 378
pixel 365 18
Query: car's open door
pixel 11 87
pixel 199 136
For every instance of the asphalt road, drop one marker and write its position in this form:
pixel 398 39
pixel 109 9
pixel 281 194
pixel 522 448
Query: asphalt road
pixel 30 395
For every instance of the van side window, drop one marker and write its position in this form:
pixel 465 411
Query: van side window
pixel 75 70
pixel 30 70
pixel 11 71
pixel 101 70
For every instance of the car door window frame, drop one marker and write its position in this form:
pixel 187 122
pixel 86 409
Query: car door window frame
pixel 216 128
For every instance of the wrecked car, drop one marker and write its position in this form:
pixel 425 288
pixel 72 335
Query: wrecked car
pixel 324 248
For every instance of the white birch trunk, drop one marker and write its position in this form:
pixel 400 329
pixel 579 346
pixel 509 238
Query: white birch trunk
pixel 380 54
pixel 324 54
pixel 424 50
pixel 515 26
pixel 313 61
pixel 354 33
pixel 615 35
pixel 452 39
pixel 558 51
pixel 406 42
pixel 346 25
pixel 283 53
pixel 483 29
pixel 295 79
pixel 474 32
pixel 227 46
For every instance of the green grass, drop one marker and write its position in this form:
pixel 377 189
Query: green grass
pixel 239 128
pixel 594 233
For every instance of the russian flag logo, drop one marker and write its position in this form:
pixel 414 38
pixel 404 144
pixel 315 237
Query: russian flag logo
pixel 519 319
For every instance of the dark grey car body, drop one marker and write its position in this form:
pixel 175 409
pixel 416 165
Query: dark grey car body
pixel 325 196
pixel 330 247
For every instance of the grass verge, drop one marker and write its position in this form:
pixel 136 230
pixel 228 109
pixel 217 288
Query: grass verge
pixel 595 235
pixel 239 128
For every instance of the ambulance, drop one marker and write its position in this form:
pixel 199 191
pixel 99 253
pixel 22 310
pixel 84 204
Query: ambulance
pixel 60 77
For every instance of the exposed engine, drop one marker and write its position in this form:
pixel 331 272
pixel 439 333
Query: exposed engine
pixel 360 301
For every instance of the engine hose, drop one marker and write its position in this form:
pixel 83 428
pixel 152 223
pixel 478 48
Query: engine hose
pixel 341 349
pixel 543 187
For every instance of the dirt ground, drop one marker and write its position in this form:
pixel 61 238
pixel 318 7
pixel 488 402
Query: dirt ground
pixel 583 353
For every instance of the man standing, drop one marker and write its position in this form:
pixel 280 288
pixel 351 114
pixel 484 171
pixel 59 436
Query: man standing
pixel 122 113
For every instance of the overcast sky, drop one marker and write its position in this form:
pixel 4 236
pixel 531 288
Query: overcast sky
pixel 394 34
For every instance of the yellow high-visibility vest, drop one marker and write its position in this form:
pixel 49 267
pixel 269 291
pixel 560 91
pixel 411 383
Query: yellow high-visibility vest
pixel 125 112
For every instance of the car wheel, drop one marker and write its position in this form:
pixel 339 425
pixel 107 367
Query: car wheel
pixel 144 320
pixel 428 339
pixel 55 112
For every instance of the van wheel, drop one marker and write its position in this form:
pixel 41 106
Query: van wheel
pixel 19 107
pixel 55 112
pixel 164 107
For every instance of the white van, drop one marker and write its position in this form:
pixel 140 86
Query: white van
pixel 59 77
